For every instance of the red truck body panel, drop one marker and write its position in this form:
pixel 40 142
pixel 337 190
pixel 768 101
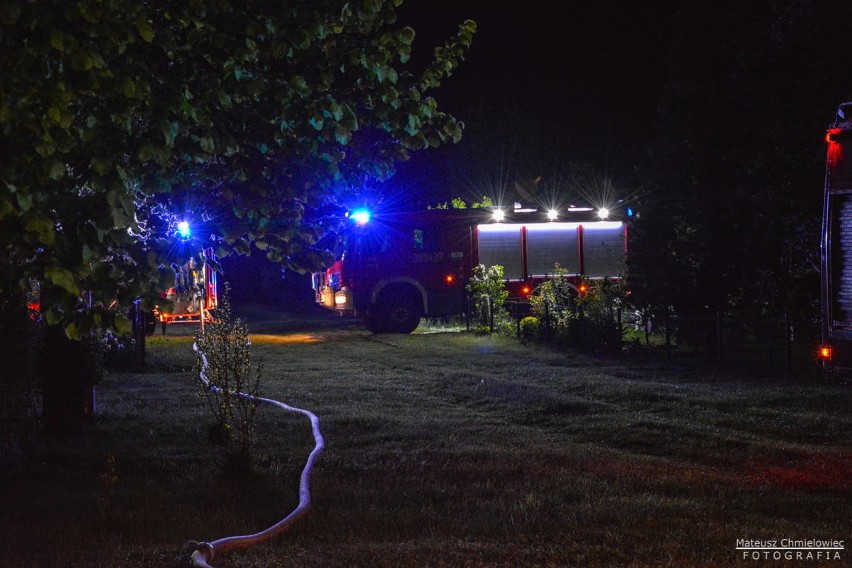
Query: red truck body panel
pixel 424 259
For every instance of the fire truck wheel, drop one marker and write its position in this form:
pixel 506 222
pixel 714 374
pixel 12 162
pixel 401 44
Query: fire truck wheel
pixel 399 311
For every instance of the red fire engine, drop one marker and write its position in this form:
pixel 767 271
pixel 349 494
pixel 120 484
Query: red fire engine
pixel 195 293
pixel 836 246
pixel 399 267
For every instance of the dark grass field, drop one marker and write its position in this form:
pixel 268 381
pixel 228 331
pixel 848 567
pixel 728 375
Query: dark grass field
pixel 443 448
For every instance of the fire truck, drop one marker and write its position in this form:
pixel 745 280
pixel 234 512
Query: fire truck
pixel 399 267
pixel 836 246
pixel 195 294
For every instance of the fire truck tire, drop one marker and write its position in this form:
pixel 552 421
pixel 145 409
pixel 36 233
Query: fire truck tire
pixel 399 310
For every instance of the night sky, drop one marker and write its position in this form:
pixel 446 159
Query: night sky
pixel 589 73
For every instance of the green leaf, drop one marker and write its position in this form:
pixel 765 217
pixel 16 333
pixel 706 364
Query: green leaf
pixel 71 331
pixel 207 144
pixel 299 84
pixel 5 207
pixel 128 88
pixel 57 42
pixel 146 32
pixel 228 68
pixel 342 135
pixel 62 278
pixel 170 130
pixel 413 126
pixel 42 227
pixel 25 201
pixel 55 169
pixel 51 316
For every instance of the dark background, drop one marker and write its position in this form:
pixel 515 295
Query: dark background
pixel 588 74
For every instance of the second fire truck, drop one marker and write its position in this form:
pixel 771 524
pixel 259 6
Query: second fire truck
pixel 836 247
pixel 399 267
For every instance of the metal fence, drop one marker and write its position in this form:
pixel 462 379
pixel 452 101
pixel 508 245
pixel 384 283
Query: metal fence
pixel 781 347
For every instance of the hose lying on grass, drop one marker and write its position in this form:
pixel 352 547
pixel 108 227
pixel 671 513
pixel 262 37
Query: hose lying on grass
pixel 200 553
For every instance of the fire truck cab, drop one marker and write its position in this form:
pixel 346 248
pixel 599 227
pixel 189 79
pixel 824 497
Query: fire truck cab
pixel 399 267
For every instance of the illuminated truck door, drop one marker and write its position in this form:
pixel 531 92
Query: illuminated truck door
pixel 603 249
pixel 551 243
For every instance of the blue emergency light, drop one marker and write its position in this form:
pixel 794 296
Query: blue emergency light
pixel 360 216
pixel 183 230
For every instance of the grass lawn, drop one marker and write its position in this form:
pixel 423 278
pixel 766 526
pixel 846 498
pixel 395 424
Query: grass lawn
pixel 442 449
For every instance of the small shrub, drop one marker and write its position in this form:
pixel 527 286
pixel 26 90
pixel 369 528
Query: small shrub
pixel 488 295
pixel 588 319
pixel 530 328
pixel 231 388
pixel 117 349
pixel 555 304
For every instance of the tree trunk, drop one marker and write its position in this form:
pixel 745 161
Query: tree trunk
pixel 68 371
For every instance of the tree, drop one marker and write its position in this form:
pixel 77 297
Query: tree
pixel 120 119
pixel 729 218
pixel 254 119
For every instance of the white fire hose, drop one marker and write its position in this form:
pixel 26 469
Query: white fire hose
pixel 200 553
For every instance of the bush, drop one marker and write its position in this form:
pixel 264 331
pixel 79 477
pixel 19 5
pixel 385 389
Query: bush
pixel 488 295
pixel 587 319
pixel 530 329
pixel 230 388
pixel 117 349
pixel 555 303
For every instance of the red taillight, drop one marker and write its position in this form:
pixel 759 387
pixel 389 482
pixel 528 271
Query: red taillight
pixel 824 352
pixel 835 148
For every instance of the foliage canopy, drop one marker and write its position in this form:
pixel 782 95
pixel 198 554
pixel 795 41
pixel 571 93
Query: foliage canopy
pixel 120 119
